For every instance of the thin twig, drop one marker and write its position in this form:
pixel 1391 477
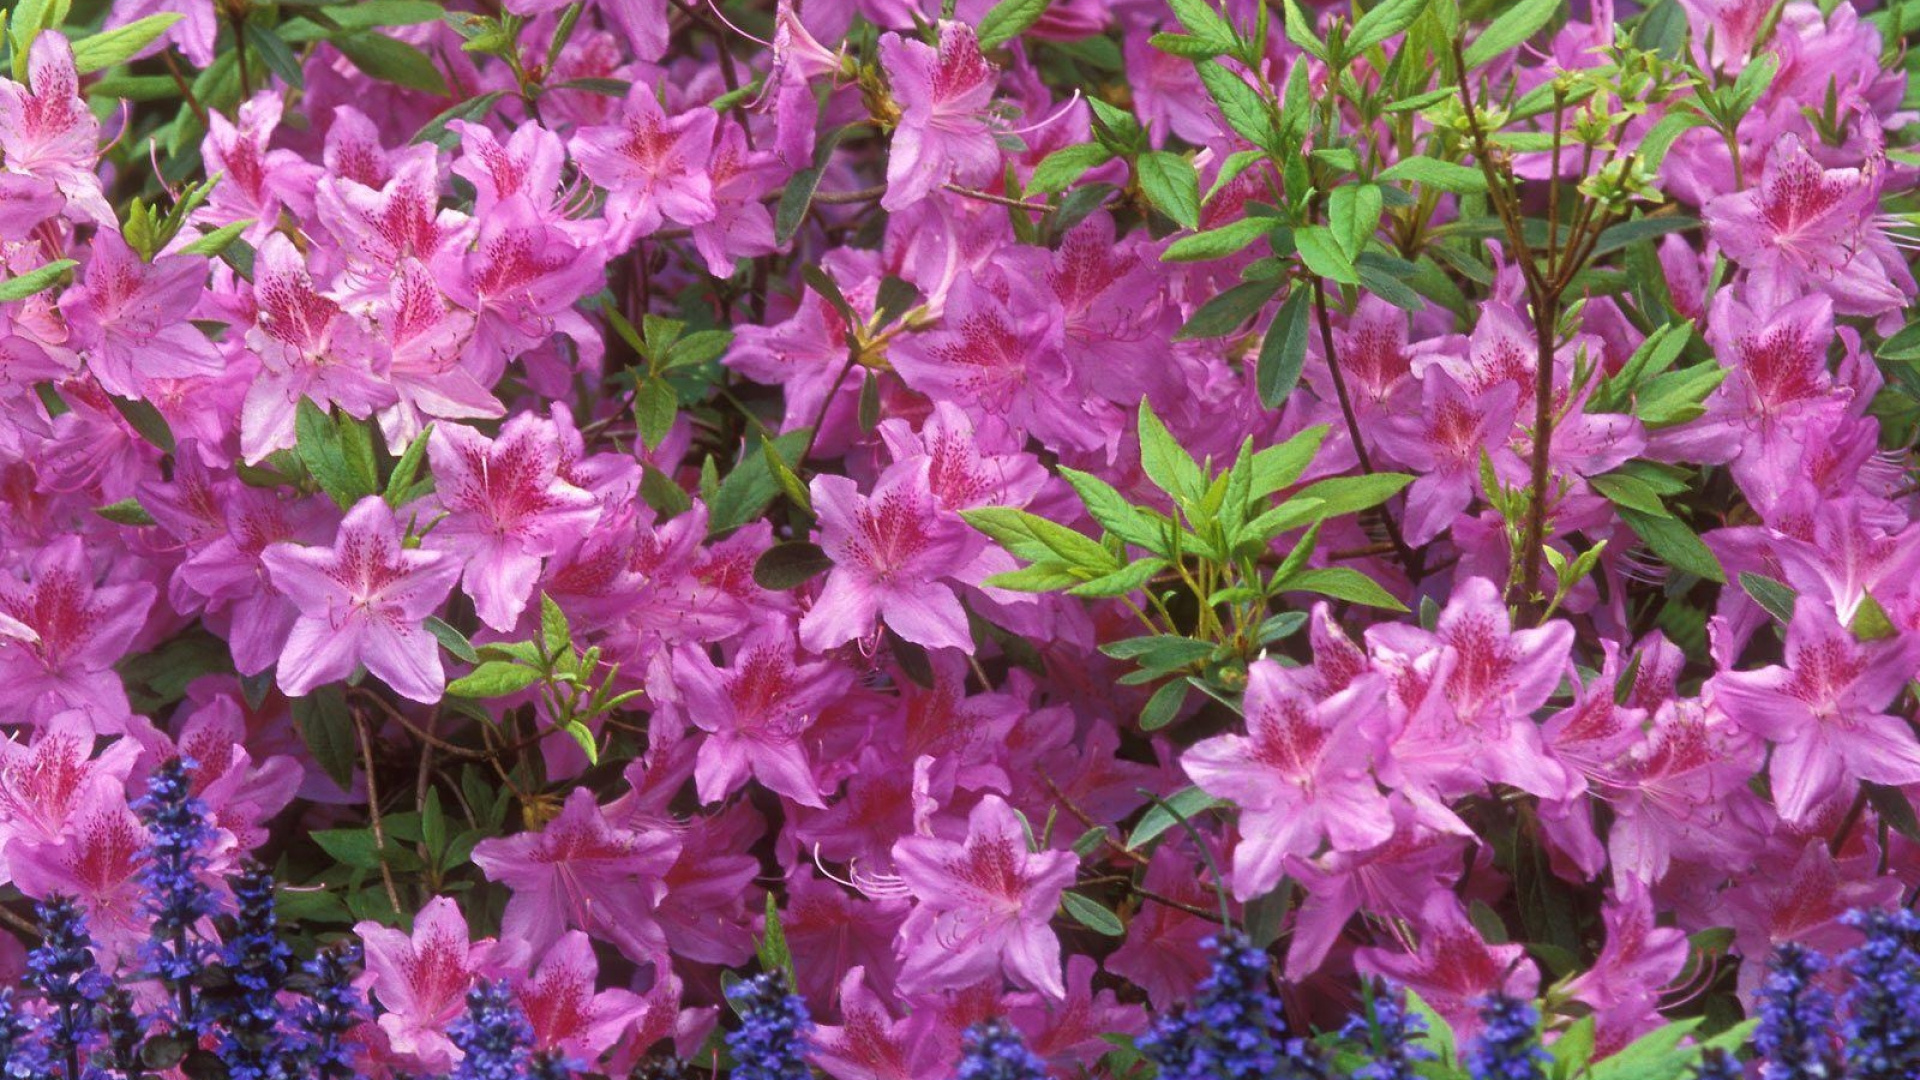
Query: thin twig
pixel 373 808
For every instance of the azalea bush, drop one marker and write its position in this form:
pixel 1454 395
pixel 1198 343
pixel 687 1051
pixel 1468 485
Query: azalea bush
pixel 903 539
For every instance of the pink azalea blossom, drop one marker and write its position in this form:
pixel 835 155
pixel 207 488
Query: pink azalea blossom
pixel 1824 711
pixel 128 318
pixel 652 165
pixel 756 712
pixel 943 134
pixel 46 130
pixel 582 872
pixel 421 979
pixel 982 905
pixel 890 550
pixel 1301 775
pixel 365 600
pixel 569 1015
pixel 506 509
pixel 68 630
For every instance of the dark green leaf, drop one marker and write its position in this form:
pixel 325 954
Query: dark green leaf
pixel 393 61
pixel 1171 185
pixel 1008 19
pixel 1672 541
pixel 1091 915
pixel 1283 352
pixel 790 565
pixel 326 726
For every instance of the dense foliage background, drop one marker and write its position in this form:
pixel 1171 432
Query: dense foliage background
pixel 1003 518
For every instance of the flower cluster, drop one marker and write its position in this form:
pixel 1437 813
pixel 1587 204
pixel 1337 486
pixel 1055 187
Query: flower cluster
pixel 956 501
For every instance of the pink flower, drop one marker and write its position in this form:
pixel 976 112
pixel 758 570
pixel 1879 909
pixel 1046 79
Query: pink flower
pixel 46 130
pixel 365 600
pixel 1300 777
pixel 890 550
pixel 1824 712
pixel 1454 966
pixel 75 631
pixel 569 1016
pixel 982 905
pixel 742 226
pixel 506 509
pixel 1805 228
pixel 1443 441
pixel 1683 793
pixel 98 859
pixel 1498 677
pixel 421 980
pixel 582 872
pixel 129 317
pixel 309 348
pixel 943 134
pixel 1640 960
pixel 521 281
pixel 870 1044
pixel 756 713
pixel 653 166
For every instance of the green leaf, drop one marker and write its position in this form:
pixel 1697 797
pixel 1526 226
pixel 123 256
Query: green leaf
pixel 1657 1055
pixel 1323 254
pixel 1046 576
pixel 1241 104
pixel 215 243
pixel 1279 466
pixel 125 512
pixel 1228 239
pixel 1171 185
pixel 1623 489
pixel 795 199
pixel 1381 23
pixel 338 451
pixel 1164 705
pixel 146 420
pixel 350 847
pixel 1283 352
pixel 33 281
pixel 556 636
pixel 1677 396
pixel 1871 622
pixel 751 485
pixel 1352 494
pixel 655 405
pixel 1202 21
pixel 452 640
pixel 393 61
pixel 1058 170
pixel 1167 464
pixel 279 58
pixel 1228 311
pixel 1299 29
pixel 1511 29
pixel 1187 803
pixel 789 565
pixel 1009 19
pixel 1092 915
pixel 1777 597
pixel 326 726
pixel 1120 582
pixel 494 678
pixel 400 485
pixel 1891 805
pixel 1162 652
pixel 1035 539
pixel 772 948
pixel 1353 212
pixel 110 47
pixel 1674 542
pixel 1438 175
pixel 1343 583
pixel 1114 513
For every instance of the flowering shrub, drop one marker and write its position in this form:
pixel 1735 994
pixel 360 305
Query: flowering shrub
pixel 895 538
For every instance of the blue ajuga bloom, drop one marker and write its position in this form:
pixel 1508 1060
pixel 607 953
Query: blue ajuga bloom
pixel 1236 1028
pixel 332 1009
pixel 1795 1036
pixel 176 893
pixel 63 971
pixel 772 1040
pixel 1391 1035
pixel 253 1045
pixel 494 1037
pixel 22 1057
pixel 1882 1028
pixel 993 1050
pixel 1509 1044
pixel 1718 1065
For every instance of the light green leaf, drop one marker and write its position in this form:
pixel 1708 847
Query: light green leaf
pixel 1008 19
pixel 494 678
pixel 100 51
pixel 1512 28
pixel 1343 583
pixel 1438 175
pixel 33 281
pixel 1171 185
pixel 1674 542
pixel 1324 255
